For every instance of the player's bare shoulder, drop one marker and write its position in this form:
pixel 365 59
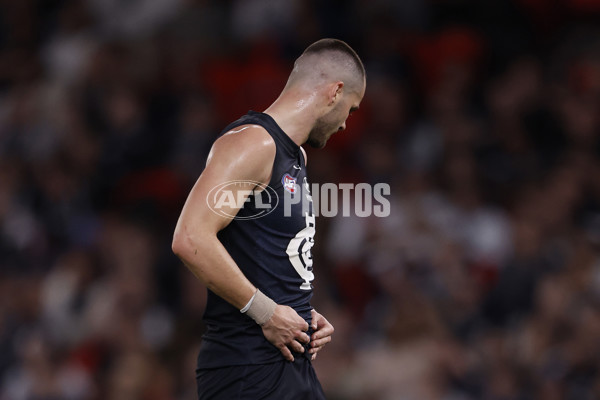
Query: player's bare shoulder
pixel 244 139
pixel 248 148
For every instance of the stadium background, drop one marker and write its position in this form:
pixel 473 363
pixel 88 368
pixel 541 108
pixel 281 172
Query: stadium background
pixel 484 116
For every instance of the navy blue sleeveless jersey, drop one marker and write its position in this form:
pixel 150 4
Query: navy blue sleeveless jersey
pixel 273 251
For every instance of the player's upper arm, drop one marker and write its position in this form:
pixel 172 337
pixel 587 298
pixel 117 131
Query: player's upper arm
pixel 243 154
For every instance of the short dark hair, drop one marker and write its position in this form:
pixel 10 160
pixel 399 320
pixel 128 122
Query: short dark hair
pixel 336 45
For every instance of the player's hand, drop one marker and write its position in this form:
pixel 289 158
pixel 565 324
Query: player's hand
pixel 286 330
pixel 322 331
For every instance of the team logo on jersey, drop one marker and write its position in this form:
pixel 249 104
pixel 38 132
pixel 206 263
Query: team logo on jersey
pixel 289 183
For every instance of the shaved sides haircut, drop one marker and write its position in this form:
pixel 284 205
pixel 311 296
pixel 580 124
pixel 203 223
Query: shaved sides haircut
pixel 329 60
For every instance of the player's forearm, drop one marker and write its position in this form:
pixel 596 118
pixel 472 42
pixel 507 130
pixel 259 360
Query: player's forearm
pixel 208 260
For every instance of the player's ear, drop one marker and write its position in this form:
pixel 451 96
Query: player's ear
pixel 335 92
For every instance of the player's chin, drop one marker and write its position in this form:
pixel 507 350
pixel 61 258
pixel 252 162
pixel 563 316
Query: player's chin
pixel 317 144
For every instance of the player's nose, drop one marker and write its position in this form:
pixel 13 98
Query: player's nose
pixel 343 127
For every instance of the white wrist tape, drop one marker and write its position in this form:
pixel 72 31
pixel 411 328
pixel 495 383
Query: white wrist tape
pixel 260 308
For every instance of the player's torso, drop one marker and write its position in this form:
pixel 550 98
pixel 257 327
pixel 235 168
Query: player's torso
pixel 270 239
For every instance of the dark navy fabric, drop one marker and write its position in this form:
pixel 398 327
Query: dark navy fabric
pixel 272 251
pixel 281 380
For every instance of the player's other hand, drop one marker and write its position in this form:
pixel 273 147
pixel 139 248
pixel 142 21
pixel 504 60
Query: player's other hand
pixel 286 330
pixel 322 331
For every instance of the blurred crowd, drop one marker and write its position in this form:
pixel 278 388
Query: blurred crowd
pixel 484 117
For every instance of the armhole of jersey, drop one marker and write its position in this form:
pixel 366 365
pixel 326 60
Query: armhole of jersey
pixel 304 154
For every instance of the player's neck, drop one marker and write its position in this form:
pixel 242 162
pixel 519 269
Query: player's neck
pixel 294 115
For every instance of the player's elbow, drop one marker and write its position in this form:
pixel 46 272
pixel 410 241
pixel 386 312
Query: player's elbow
pixel 176 245
pixel 188 244
pixel 181 244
